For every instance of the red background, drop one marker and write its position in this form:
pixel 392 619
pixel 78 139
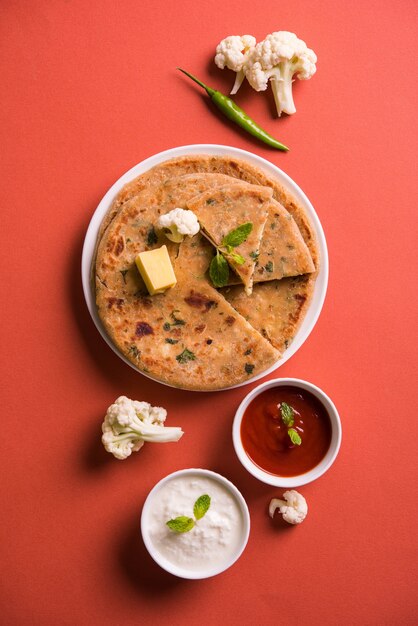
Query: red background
pixel 88 90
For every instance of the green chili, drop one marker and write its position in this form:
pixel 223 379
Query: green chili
pixel 236 114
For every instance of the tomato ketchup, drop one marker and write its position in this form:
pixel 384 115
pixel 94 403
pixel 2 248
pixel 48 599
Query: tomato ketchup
pixel 265 433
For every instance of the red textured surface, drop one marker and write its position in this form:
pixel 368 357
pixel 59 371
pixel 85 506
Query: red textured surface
pixel 90 89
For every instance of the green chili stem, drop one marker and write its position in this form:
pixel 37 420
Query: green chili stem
pixel 233 112
pixel 208 90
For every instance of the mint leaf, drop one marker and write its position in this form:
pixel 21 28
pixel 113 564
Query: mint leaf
pixel 237 236
pixel 201 506
pixel 239 260
pixel 287 414
pixel 219 270
pixel 181 524
pixel 185 356
pixel 294 436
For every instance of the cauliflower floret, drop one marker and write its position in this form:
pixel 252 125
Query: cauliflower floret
pixel 277 59
pixel 129 423
pixel 232 52
pixel 157 415
pixel 293 508
pixel 178 223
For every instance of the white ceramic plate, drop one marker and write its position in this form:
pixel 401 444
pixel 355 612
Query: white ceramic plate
pixel 218 150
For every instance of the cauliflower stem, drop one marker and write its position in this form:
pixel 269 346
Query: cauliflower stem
pixel 281 84
pixel 239 78
pixel 128 424
pixel 147 432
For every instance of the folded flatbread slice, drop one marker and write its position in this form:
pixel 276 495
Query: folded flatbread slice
pixel 223 210
pixel 283 252
pixel 276 308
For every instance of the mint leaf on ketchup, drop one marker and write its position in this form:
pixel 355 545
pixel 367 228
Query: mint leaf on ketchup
pixel 294 436
pixel 287 414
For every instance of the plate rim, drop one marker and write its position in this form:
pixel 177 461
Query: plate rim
pixel 92 232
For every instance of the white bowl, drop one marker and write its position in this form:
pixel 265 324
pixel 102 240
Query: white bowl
pixel 289 481
pixel 203 569
pixel 217 150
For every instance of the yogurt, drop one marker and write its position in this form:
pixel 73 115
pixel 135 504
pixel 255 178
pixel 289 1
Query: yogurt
pixel 217 539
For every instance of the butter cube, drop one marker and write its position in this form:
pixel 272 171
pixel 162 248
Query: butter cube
pixel 156 270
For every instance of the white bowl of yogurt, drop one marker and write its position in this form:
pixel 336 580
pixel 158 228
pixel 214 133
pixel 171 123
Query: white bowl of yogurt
pixel 215 540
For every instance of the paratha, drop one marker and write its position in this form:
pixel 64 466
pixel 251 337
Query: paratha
pixel 189 336
pixel 283 251
pixel 266 321
pixel 227 166
pixel 227 208
pixel 275 308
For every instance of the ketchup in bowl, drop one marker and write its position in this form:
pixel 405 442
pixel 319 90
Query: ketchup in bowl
pixel 265 431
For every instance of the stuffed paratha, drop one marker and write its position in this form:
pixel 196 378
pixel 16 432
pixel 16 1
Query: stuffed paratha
pixel 266 321
pixel 276 308
pixel 189 336
pixel 227 166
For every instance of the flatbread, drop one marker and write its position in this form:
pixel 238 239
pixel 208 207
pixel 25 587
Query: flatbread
pixel 168 182
pixel 283 251
pixel 229 166
pixel 224 209
pixel 269 318
pixel 189 336
pixel 276 308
